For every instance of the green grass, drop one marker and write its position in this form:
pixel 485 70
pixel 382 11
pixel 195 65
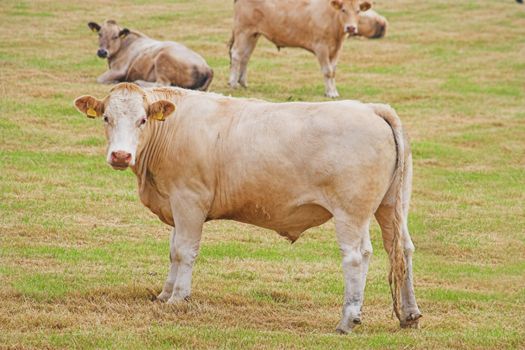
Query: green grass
pixel 81 258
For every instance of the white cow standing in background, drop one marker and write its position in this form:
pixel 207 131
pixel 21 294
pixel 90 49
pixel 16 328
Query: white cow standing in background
pixel 283 166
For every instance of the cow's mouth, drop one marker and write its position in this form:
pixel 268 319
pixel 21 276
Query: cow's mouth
pixel 119 166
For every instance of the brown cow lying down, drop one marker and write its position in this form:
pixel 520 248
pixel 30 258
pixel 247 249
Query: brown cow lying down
pixel 283 166
pixel 134 57
pixel 319 26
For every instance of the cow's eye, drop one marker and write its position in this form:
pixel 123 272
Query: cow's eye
pixel 115 37
pixel 142 121
pixel 358 11
pixel 106 119
pixel 343 10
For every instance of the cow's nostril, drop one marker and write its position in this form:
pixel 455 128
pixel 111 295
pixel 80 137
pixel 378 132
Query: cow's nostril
pixel 102 53
pixel 120 157
pixel 351 29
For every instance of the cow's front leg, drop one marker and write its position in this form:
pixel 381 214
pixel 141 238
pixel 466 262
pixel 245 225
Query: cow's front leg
pixel 240 52
pixel 328 73
pixel 111 77
pixel 189 222
pixel 355 261
pixel 167 290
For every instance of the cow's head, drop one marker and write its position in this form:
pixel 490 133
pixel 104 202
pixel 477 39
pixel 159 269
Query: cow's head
pixel 348 13
pixel 372 25
pixel 110 37
pixel 126 113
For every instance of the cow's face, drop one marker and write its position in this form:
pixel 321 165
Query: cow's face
pixel 110 37
pixel 348 13
pixel 126 115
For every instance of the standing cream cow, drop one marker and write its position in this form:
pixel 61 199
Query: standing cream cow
pixel 319 26
pixel 134 57
pixel 283 166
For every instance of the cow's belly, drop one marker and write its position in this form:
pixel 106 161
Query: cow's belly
pixel 287 219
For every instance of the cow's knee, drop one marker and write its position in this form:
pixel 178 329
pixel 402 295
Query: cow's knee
pixel 409 248
pixel 351 257
pixel 328 72
pixel 366 248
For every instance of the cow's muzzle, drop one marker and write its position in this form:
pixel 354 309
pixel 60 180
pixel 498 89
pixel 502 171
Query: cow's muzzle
pixel 102 53
pixel 351 30
pixel 120 160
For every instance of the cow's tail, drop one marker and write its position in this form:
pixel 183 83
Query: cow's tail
pixel 396 276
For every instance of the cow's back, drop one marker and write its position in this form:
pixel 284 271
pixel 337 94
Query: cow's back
pixel 285 23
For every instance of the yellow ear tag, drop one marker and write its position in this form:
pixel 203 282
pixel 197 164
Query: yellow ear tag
pixel 94 30
pixel 159 116
pixel 91 112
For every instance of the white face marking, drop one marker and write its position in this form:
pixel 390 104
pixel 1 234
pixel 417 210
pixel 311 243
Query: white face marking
pixel 349 15
pixel 124 112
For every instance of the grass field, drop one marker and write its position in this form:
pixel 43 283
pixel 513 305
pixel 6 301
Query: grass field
pixel 81 258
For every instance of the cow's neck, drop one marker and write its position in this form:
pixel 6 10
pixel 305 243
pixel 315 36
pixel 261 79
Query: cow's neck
pixel 150 152
pixel 124 50
pixel 335 31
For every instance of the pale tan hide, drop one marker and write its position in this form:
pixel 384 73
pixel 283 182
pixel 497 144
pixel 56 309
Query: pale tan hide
pixel 282 166
pixel 372 25
pixel 134 57
pixel 319 26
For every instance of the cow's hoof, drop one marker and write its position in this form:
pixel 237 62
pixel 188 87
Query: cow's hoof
pixel 411 321
pixel 332 94
pixel 233 85
pixel 174 300
pixel 343 329
pixel 164 296
pixel 346 327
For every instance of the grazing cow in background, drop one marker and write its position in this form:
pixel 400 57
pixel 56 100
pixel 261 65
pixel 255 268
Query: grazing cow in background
pixel 372 25
pixel 134 57
pixel 319 26
pixel 282 166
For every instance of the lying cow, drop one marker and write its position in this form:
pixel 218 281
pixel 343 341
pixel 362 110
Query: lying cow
pixel 319 26
pixel 283 166
pixel 134 57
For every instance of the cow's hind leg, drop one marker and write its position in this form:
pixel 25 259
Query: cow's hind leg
pixel 410 313
pixel 240 52
pixel 353 239
pixel 167 290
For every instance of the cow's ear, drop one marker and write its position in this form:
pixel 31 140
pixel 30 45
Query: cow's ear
pixel 160 110
pixel 337 4
pixel 94 27
pixel 89 106
pixel 123 33
pixel 365 6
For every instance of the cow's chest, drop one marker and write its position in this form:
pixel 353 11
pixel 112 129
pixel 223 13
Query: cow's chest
pixel 155 199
